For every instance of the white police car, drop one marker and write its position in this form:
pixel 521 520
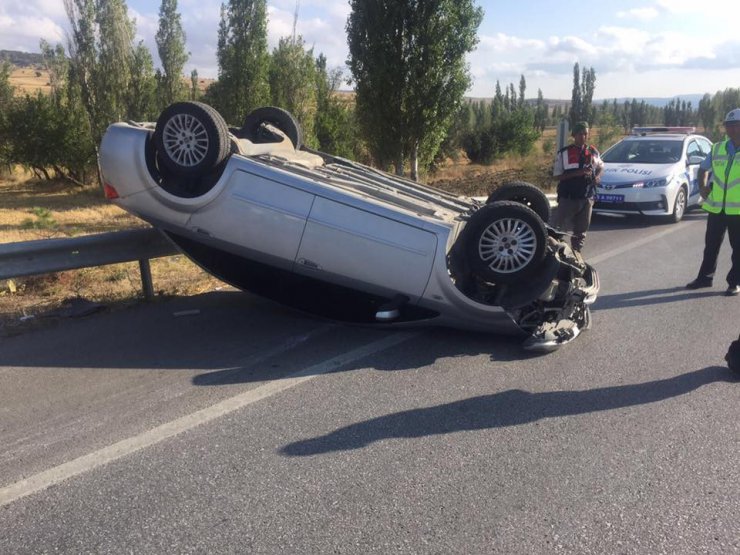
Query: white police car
pixel 652 172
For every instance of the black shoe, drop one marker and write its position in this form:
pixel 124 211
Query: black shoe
pixel 699 283
pixel 733 291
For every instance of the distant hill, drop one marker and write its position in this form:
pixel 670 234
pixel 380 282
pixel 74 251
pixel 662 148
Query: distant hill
pixel 657 101
pixel 653 101
pixel 21 59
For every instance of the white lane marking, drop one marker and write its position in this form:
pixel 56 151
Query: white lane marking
pixel 639 242
pixel 25 442
pixel 42 480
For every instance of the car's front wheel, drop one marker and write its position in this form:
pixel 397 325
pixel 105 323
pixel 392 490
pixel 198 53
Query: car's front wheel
pixel 191 139
pixel 505 241
pixel 679 205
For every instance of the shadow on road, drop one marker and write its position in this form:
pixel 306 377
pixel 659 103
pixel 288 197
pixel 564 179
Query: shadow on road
pixel 226 337
pixel 448 343
pixel 652 297
pixel 508 408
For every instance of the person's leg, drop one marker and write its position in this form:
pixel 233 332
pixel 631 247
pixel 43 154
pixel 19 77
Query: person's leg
pixel 713 238
pixel 564 214
pixel 733 230
pixel 581 223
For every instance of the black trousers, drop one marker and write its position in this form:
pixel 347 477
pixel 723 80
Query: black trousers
pixel 717 225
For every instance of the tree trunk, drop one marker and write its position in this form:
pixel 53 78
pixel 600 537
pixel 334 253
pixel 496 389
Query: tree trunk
pixel 415 162
pixel 399 164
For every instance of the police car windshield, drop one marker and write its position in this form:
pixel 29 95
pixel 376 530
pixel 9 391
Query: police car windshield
pixel 644 152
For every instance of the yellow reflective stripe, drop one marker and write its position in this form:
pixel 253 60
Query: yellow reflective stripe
pixel 720 158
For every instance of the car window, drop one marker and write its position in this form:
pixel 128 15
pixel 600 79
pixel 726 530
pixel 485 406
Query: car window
pixel 694 150
pixel 705 146
pixel 644 152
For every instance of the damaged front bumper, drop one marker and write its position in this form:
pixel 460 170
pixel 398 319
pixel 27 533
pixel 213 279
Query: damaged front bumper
pixel 561 313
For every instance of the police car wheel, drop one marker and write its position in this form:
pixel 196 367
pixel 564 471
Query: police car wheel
pixel 679 205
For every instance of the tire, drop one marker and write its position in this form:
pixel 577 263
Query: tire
pixel 505 242
pixel 680 205
pixel 524 193
pixel 254 126
pixel 191 139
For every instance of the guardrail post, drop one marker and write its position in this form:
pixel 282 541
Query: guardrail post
pixel 146 279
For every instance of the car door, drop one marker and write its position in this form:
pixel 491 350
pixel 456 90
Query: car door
pixel 357 248
pixel 258 217
pixel 694 156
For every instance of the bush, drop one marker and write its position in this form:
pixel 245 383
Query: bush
pixel 48 137
pixel 510 132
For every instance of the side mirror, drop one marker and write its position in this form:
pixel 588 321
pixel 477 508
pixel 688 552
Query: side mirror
pixel 695 160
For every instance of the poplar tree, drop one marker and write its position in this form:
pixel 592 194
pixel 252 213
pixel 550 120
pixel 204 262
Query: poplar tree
pixel 522 89
pixel 6 97
pixel 141 102
pixel 242 59
pixel 575 98
pixel 172 53
pixel 336 131
pixel 407 60
pixel 584 84
pixel 292 78
pixel 194 90
pixel 101 59
pixel 707 113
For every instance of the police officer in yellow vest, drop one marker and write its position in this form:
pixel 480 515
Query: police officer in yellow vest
pixel 723 204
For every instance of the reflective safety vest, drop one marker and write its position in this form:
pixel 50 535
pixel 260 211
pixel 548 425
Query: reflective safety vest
pixel 725 194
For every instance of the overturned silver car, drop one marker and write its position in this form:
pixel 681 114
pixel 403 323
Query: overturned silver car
pixel 336 238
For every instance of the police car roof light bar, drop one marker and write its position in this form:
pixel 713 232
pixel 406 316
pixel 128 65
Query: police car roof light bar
pixel 649 130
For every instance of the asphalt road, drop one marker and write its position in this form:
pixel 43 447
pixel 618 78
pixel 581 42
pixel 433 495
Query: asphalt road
pixel 225 424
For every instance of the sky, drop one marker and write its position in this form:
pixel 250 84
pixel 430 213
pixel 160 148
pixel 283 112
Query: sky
pixel 646 48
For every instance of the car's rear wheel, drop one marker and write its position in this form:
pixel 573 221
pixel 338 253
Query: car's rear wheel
pixel 505 241
pixel 191 139
pixel 257 124
pixel 679 205
pixel 524 193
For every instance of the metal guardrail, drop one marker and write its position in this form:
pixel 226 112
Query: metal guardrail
pixel 55 255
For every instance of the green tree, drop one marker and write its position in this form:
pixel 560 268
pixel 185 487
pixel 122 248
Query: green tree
pixel 584 84
pixel 73 155
pixel 609 131
pixel 522 89
pixel 194 90
pixel 575 96
pixel 407 60
pixel 497 106
pixel 101 57
pixel 588 85
pixel 335 120
pixel 48 137
pixel 293 79
pixel 141 100
pixel 6 98
pixel 242 59
pixel 540 112
pixel 172 53
pixel 707 113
